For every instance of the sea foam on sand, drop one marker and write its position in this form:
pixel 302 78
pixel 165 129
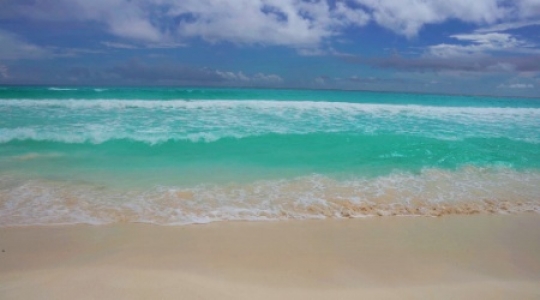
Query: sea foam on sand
pixel 454 257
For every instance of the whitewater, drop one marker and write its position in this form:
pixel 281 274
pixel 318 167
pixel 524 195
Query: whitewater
pixel 175 156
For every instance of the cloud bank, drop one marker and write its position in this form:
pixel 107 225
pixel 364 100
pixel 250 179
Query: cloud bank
pixel 136 72
pixel 13 47
pixel 484 37
pixel 294 23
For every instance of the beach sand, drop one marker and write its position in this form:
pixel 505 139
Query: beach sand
pixel 452 257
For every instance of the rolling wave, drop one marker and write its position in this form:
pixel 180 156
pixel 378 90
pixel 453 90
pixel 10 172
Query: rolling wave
pixel 97 121
pixel 269 104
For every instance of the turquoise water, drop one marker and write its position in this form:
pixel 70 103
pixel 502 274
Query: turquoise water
pixel 187 155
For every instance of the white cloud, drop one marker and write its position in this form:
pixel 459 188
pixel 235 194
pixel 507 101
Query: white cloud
pixel 508 26
pixel 494 40
pixel 528 8
pixel 4 71
pixel 128 19
pixel 135 28
pixel 14 47
pixel 295 23
pixel 478 44
pixel 270 78
pixel 517 86
pixel 347 16
pixel 267 22
pixel 407 17
pixel 232 76
pixel 118 45
pixel 167 45
pixel 320 80
pixel 257 78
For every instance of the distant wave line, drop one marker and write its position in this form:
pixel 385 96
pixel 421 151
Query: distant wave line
pixel 159 137
pixel 263 105
pixel 61 89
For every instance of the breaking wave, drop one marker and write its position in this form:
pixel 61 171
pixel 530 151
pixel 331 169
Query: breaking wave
pixel 433 192
pixel 98 121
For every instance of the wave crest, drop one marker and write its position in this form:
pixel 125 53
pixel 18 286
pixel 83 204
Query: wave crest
pixel 97 121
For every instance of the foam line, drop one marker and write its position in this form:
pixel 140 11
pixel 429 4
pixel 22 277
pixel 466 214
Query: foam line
pixel 434 192
pixel 79 121
pixel 268 105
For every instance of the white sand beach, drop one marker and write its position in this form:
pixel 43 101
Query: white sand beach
pixel 454 257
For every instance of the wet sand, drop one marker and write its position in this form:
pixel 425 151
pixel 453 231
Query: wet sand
pixel 452 257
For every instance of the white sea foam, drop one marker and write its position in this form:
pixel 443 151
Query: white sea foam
pixel 61 89
pixel 289 109
pixel 434 192
pixel 265 105
pixel 77 121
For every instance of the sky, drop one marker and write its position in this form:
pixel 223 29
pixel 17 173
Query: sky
pixel 433 46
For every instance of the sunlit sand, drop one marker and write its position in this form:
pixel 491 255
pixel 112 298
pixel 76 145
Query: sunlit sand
pixel 453 257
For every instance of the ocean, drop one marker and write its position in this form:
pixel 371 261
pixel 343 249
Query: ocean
pixel 174 156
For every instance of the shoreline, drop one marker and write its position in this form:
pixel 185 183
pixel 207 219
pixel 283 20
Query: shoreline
pixel 464 257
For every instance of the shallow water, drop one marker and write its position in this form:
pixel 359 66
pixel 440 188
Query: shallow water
pixel 179 156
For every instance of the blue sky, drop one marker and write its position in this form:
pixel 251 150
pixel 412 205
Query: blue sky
pixel 441 46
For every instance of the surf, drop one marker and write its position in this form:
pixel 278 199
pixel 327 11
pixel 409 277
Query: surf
pixel 180 156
